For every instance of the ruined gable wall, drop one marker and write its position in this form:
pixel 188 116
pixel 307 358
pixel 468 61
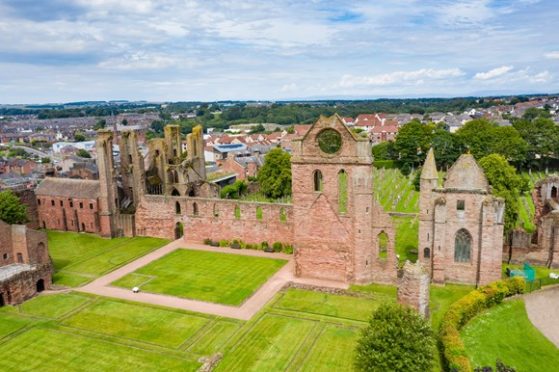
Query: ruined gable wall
pixel 5 244
pixel 68 214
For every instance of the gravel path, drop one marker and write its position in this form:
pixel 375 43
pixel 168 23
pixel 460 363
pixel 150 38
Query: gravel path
pixel 543 311
pixel 250 307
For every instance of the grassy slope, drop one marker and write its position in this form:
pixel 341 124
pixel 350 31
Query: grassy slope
pixel 505 332
pixel 215 277
pixel 80 258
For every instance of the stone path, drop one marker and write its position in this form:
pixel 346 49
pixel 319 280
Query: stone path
pixel 251 306
pixel 543 311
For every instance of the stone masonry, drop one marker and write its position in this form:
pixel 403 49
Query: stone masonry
pixel 413 287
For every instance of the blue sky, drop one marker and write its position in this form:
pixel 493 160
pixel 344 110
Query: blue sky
pixel 71 50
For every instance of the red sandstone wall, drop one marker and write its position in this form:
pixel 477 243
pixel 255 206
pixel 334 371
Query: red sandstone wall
pixel 68 214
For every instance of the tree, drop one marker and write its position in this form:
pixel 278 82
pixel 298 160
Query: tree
pixel 258 129
pixel 396 339
pixel 100 124
pixel 45 160
pixel 124 121
pixel 275 175
pixel 413 141
pixel 79 137
pixel 12 210
pixel 83 154
pixel 385 151
pixel 508 142
pixel 477 136
pixel 542 136
pixel 447 146
pixel 234 191
pixel 506 183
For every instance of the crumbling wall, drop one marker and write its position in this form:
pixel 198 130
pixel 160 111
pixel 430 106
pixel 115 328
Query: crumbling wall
pixel 413 287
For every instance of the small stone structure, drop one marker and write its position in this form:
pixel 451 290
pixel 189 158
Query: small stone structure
pixel 25 266
pixel 413 287
pixel 460 224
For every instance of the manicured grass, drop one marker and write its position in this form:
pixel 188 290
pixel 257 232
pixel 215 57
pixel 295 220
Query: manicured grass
pixel 208 276
pixel 406 238
pixel 10 323
pixel 215 338
pixel 48 349
pixel 356 308
pixel 542 273
pixel 441 297
pixel 53 306
pixel 334 350
pixel 269 346
pixel 144 323
pixel 80 258
pixel 505 332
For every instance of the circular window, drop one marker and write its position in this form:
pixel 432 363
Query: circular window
pixel 329 141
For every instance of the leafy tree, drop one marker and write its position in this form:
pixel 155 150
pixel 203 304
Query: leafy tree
pixel 447 146
pixel 83 154
pixel 506 183
pixel 258 129
pixel 542 136
pixel 79 137
pixel 100 124
pixel 45 160
pixel 275 175
pixel 508 142
pixel 12 210
pixel 124 121
pixel 234 191
pixel 396 339
pixel 477 136
pixel 413 141
pixel 534 113
pixel 385 151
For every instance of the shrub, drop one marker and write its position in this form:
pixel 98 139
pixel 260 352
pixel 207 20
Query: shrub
pixel 235 244
pixel 224 243
pixel 277 246
pixel 288 248
pixel 208 241
pixel 461 311
pixel 397 339
pixel 265 247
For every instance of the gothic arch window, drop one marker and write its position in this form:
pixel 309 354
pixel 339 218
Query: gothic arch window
pixel 382 240
pixel 283 215
pixel 177 208
pixel 426 253
pixel 175 193
pixel 237 212
pixel 462 246
pixel 554 192
pixel 195 208
pixel 259 213
pixel 317 178
pixel 342 191
pixel 216 210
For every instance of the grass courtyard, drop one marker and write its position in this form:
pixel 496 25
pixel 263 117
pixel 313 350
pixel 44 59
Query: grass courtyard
pixel 207 276
pixel 80 258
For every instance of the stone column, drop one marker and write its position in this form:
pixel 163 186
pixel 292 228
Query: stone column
pixel 413 288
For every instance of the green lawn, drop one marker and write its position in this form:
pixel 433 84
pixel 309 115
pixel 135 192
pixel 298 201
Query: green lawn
pixel 505 332
pixel 407 229
pixel 208 276
pixel 441 297
pixel 80 258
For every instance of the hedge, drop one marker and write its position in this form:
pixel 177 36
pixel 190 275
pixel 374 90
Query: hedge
pixel 239 244
pixel 465 309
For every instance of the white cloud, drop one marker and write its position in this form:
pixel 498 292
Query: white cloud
pixel 401 77
pixel 491 74
pixel 138 61
pixel 552 55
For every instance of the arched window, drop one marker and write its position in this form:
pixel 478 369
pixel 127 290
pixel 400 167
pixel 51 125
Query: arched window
pixel 317 180
pixel 462 246
pixel 382 245
pixel 554 192
pixel 175 176
pixel 259 213
pixel 283 215
pixel 179 230
pixel 177 208
pixel 195 209
pixel 237 212
pixel 342 191
pixel 175 193
pixel 426 253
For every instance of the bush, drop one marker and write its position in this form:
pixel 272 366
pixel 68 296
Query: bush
pixel 288 248
pixel 277 246
pixel 397 339
pixel 265 247
pixel 208 241
pixel 465 309
pixel 214 243
pixel 224 243
pixel 235 244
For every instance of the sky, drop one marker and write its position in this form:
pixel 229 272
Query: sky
pixel 170 50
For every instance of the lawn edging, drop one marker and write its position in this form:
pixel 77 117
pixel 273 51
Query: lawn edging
pixel 463 310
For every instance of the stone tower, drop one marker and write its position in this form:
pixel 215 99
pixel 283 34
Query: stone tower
pixel 460 225
pixel 108 195
pixel 195 145
pixel 336 220
pixel 429 180
pixel 131 167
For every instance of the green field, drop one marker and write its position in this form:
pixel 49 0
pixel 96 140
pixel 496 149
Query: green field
pixel 80 258
pixel 207 276
pixel 505 332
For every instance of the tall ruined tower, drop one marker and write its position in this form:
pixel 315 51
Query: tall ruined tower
pixel 334 229
pixel 173 146
pixel 131 167
pixel 429 180
pixel 108 195
pixel 195 145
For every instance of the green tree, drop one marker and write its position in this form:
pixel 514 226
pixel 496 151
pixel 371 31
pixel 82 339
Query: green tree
pixel 506 183
pixel 447 146
pixel 100 124
pixel 45 160
pixel 83 154
pixel 12 210
pixel 258 129
pixel 508 142
pixel 385 151
pixel 275 175
pixel 124 121
pixel 413 141
pixel 477 136
pixel 234 191
pixel 396 339
pixel 542 136
pixel 79 137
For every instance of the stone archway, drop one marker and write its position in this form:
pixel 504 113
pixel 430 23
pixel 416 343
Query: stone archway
pixel 2 303
pixel 40 286
pixel 179 230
